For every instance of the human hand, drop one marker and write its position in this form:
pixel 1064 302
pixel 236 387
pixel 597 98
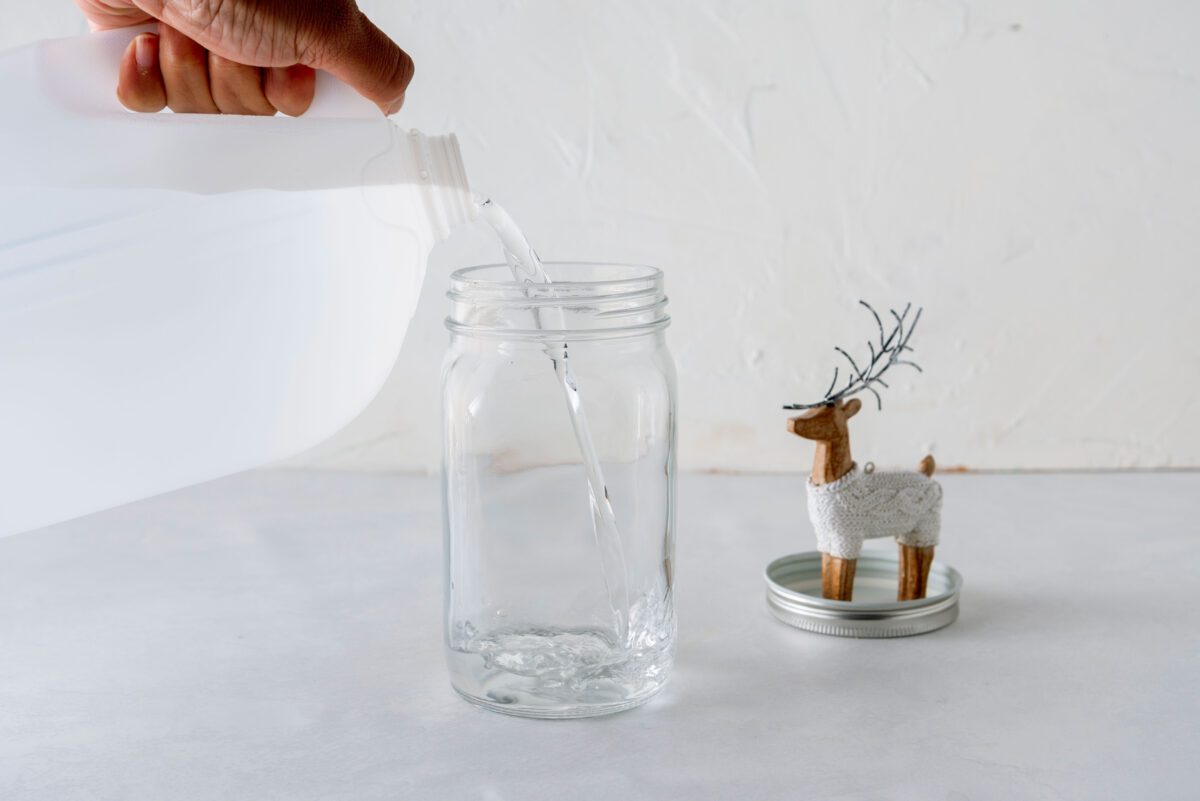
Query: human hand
pixel 249 56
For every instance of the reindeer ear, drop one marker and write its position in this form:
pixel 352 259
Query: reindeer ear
pixel 851 408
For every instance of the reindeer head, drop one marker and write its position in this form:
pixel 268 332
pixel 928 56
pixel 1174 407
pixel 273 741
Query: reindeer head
pixel 825 423
pixel 825 420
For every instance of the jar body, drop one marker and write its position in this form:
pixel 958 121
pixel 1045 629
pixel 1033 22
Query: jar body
pixel 556 606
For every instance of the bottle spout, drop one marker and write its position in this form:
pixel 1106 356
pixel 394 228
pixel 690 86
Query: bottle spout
pixel 443 180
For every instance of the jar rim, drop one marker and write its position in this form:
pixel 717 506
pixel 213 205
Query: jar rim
pixel 587 300
pixel 623 277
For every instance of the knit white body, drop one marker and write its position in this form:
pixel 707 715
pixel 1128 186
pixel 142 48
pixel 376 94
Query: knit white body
pixel 860 506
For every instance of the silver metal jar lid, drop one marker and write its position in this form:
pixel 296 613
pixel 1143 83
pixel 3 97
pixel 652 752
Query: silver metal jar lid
pixel 794 596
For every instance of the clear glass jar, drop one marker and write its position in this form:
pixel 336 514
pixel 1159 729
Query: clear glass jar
pixel 555 397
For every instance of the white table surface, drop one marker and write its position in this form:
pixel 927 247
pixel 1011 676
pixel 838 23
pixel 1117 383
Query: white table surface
pixel 276 635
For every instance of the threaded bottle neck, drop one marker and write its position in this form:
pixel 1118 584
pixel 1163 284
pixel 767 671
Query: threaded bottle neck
pixel 443 182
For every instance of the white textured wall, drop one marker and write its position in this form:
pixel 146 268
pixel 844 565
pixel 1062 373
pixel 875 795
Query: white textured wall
pixel 1028 171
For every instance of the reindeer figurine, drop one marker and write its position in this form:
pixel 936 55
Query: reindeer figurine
pixel 847 504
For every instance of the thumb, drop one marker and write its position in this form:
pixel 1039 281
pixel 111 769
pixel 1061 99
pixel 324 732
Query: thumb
pixel 365 58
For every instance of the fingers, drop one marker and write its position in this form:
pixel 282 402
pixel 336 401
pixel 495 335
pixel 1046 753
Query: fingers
pixel 171 70
pixel 290 89
pixel 237 88
pixel 368 60
pixel 140 86
pixel 184 66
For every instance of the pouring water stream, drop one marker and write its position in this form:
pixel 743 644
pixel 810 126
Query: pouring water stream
pixel 527 267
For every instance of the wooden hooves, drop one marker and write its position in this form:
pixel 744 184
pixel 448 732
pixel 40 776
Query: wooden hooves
pixel 914 572
pixel 837 577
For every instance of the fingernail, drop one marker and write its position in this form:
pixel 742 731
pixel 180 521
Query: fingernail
pixel 145 51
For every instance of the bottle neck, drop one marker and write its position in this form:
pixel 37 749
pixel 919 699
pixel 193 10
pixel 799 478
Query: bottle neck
pixel 442 178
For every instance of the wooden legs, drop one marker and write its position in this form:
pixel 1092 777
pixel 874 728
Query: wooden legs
pixel 914 572
pixel 837 577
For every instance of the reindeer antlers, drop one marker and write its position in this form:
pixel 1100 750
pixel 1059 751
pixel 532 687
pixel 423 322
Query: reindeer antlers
pixel 891 348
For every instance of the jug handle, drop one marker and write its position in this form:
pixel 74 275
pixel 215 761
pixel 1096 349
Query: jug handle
pixel 81 72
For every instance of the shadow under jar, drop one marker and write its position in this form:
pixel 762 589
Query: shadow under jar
pixel 558 489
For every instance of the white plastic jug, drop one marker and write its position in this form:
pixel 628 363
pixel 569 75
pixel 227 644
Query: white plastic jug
pixel 183 297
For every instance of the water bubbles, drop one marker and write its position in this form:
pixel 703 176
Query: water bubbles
pixel 544 668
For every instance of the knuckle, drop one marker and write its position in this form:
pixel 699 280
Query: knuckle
pixel 321 34
pixel 180 51
pixel 406 70
pixel 397 73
